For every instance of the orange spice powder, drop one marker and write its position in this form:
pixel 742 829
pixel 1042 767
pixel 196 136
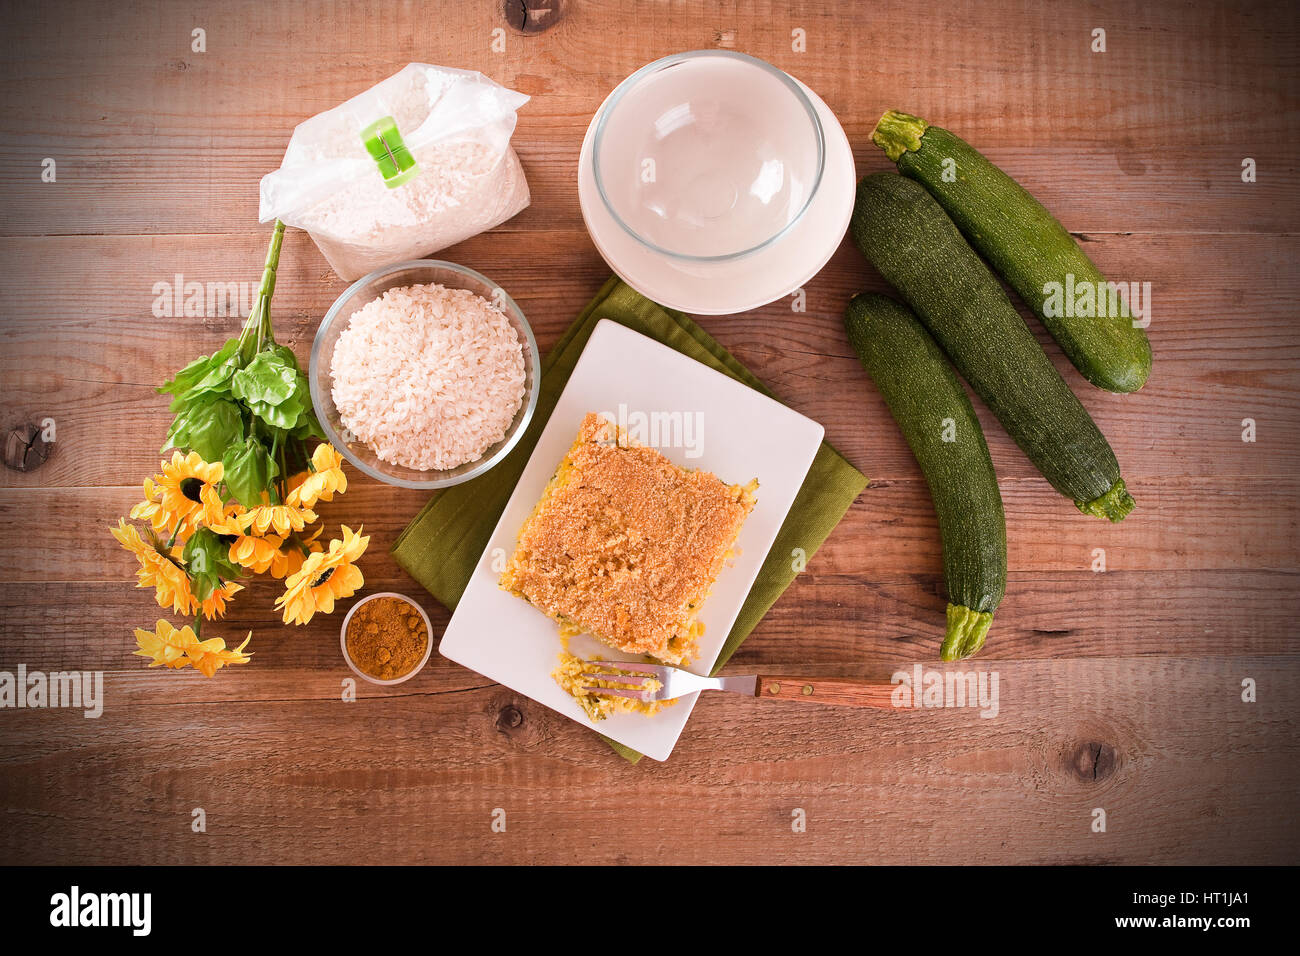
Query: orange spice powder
pixel 386 638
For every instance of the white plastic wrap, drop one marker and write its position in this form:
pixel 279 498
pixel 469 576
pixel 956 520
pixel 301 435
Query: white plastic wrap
pixel 457 125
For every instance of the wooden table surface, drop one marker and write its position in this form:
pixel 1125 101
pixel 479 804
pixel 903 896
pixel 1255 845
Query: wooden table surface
pixel 1119 690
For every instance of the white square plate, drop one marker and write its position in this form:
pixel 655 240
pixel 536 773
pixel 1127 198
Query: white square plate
pixel 737 433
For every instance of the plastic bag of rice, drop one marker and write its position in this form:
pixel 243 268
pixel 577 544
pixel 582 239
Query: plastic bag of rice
pixel 416 163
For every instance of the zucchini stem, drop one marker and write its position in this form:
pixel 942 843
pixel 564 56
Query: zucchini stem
pixel 966 632
pixel 1114 504
pixel 896 133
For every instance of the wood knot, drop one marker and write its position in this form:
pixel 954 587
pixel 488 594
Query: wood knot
pixel 1092 761
pixel 534 16
pixel 509 718
pixel 26 448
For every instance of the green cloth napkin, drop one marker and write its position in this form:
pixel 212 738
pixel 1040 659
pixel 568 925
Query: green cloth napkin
pixel 445 541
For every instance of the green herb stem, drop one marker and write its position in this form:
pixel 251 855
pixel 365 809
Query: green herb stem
pixel 259 320
pixel 277 456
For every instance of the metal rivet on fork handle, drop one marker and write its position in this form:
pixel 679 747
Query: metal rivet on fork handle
pixel 774 688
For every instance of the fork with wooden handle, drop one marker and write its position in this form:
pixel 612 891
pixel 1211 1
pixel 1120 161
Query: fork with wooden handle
pixel 651 682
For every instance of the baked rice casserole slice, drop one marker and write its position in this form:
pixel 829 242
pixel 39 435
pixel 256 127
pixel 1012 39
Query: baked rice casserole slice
pixel 625 546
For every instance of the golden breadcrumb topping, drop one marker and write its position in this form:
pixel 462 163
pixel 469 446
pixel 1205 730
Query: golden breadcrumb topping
pixel 625 545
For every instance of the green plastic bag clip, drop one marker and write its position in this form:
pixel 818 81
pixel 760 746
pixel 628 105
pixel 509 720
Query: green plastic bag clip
pixel 384 144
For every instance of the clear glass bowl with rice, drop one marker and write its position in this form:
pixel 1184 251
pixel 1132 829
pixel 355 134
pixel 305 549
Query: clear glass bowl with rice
pixel 416 378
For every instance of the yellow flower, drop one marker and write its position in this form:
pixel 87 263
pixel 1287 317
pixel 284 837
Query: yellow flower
pixel 167 646
pixel 161 570
pixel 270 553
pixel 288 562
pixel 208 657
pixel 182 483
pixel 130 539
pixel 161 518
pixel 215 605
pixel 324 578
pixel 291 559
pixel 281 518
pixel 158 568
pixel 256 554
pixel 324 481
pixel 223 518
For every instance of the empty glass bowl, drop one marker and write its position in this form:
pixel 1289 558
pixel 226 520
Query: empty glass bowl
pixel 708 155
pixel 336 320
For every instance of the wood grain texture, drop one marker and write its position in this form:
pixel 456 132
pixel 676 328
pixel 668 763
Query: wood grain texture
pixel 82 345
pixel 1119 689
pixel 1168 750
pixel 840 691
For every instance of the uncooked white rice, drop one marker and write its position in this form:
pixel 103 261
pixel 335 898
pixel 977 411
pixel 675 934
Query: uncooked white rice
pixel 428 377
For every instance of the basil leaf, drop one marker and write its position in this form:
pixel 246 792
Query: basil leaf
pixel 286 353
pixel 218 553
pixel 214 384
pixel 308 426
pixel 194 424
pixel 186 378
pixel 188 410
pixel 212 429
pixel 207 559
pixel 177 435
pixel 248 472
pixel 284 415
pixel 222 365
pixel 265 380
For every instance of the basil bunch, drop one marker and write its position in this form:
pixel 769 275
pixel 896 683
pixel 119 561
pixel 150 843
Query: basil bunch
pixel 248 405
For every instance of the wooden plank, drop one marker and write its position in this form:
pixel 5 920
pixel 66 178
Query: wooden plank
pixel 1162 748
pixel 83 346
pixel 1169 76
pixel 125 191
pixel 141 105
pixel 827 622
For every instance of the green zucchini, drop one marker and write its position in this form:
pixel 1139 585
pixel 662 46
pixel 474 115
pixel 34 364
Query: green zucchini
pixel 915 246
pixel 1027 247
pixel 931 408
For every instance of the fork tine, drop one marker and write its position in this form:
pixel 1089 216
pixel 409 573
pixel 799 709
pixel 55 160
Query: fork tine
pixel 631 666
pixel 645 696
pixel 621 678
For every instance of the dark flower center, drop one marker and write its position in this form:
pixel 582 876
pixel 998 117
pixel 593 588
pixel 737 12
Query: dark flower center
pixel 190 488
pixel 329 572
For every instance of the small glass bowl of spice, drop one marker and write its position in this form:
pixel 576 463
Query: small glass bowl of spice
pixel 386 638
